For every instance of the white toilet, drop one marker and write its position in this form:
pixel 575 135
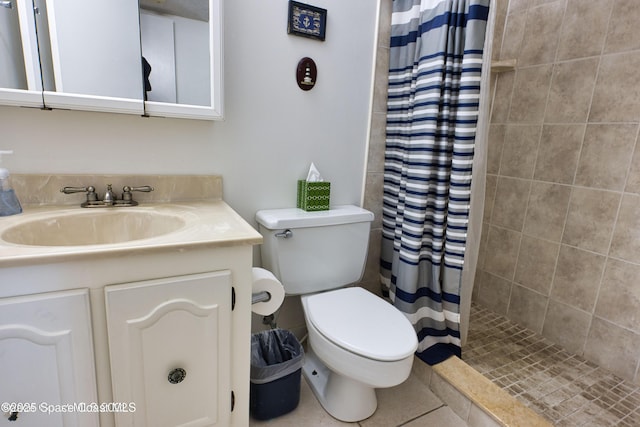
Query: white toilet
pixel 357 341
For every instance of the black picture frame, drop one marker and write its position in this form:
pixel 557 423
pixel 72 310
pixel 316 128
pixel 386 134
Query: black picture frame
pixel 307 21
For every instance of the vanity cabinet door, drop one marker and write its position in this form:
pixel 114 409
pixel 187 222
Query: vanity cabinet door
pixel 169 343
pixel 46 360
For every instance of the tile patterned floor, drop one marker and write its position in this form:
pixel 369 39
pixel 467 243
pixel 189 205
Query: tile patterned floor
pixel 564 388
pixel 411 404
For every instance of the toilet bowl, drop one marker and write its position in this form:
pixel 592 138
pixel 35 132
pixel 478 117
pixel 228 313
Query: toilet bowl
pixel 357 341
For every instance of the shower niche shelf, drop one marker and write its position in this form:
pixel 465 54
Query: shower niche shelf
pixel 503 65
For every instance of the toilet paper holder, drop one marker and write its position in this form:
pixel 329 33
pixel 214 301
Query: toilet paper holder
pixel 262 296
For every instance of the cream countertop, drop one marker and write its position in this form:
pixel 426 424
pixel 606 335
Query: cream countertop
pixel 207 224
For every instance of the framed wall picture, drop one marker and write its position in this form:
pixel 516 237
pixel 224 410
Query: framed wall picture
pixel 307 21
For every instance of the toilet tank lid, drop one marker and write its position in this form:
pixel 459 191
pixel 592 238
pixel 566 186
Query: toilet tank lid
pixel 274 219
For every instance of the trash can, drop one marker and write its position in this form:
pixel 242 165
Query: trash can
pixel 276 363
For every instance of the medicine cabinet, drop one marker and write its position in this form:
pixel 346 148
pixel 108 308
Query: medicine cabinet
pixel 152 57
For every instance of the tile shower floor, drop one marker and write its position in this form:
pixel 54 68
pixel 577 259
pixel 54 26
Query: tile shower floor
pixel 564 388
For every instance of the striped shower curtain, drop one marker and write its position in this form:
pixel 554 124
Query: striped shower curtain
pixel 432 110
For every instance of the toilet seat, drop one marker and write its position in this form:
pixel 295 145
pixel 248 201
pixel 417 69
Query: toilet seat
pixel 361 322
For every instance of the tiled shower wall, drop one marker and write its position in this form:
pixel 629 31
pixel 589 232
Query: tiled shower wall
pixel 375 161
pixel 560 251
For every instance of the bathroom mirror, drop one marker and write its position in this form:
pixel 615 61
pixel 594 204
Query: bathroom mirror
pixel 155 58
pixel 20 82
pixel 90 55
pixel 181 49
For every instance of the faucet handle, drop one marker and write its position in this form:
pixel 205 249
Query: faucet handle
pixel 144 189
pixel 90 190
pixel 126 191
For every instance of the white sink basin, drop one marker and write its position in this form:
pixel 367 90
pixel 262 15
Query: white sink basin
pixel 92 227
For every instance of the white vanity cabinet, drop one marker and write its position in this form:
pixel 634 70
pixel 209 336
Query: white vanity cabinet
pixel 162 325
pixel 46 359
pixel 170 349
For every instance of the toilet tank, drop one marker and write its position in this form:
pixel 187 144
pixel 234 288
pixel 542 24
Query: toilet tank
pixel 315 251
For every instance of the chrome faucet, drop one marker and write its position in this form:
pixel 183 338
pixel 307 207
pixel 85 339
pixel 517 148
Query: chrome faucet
pixel 110 199
pixel 109 196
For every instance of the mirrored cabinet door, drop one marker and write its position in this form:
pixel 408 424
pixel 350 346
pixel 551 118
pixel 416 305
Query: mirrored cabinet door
pixel 20 83
pixel 93 55
pixel 182 44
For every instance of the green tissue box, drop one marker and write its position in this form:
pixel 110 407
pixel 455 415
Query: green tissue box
pixel 313 196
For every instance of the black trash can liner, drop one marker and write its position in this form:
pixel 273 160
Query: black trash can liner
pixel 276 364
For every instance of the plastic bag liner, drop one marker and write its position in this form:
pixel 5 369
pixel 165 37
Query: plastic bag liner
pixel 275 353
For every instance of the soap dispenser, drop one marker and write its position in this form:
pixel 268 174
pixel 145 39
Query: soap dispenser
pixel 9 204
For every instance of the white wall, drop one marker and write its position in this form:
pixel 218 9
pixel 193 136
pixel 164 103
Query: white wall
pixel 272 130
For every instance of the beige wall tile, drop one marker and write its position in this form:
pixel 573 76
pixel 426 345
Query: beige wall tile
pixel 520 150
pixel 577 278
pixel 489 196
pixel 502 102
pixel 373 197
pixel 590 219
pixel 559 152
pixel 498 30
pixel 502 6
pixel 377 142
pixel 606 154
pixel 483 245
pixel 511 202
pixel 547 210
pixel 381 81
pixel 519 5
pixel 513 33
pixel 619 298
pixel 476 280
pixel 496 144
pixel 384 26
pixel 371 276
pixel 542 2
pixel 575 42
pixel 626 236
pixel 540 40
pixel 530 91
pixel 623 24
pixel 613 348
pixel 494 292
pixel 633 180
pixel 536 264
pixel 502 250
pixel 571 90
pixel 617 94
pixel 527 308
pixel 566 326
